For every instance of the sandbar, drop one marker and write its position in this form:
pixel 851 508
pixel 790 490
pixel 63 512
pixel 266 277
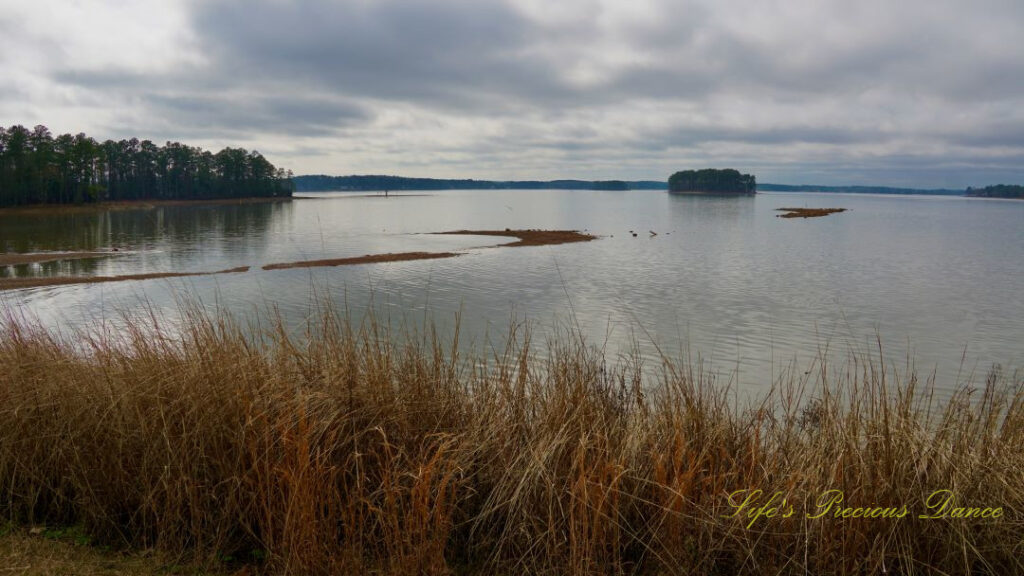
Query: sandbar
pixel 39 281
pixel 530 237
pixel 366 259
pixel 808 212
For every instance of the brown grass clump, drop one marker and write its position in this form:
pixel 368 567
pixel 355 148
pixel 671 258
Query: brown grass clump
pixel 808 212
pixel 41 551
pixel 355 450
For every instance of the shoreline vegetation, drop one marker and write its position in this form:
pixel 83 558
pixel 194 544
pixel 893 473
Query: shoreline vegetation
pixel 44 551
pixel 37 167
pixel 373 182
pixel 354 449
pixel 860 190
pixel 525 238
pixel 998 191
pixel 377 183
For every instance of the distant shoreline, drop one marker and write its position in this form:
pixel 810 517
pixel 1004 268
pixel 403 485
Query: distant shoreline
pixel 128 205
pixel 373 183
pixel 861 190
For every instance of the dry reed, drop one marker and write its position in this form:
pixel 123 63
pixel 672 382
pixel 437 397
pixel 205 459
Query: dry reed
pixel 353 450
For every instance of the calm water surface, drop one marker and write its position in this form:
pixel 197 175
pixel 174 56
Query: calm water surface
pixel 937 279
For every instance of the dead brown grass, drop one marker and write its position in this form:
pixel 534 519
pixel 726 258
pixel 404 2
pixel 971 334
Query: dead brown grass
pixel 38 281
pixel 355 450
pixel 50 553
pixel 808 212
pixel 367 259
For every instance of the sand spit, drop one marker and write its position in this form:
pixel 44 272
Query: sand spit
pixel 366 259
pixel 526 238
pixel 808 212
pixel 530 237
pixel 39 281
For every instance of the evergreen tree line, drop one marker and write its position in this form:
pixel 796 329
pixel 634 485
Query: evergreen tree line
pixel 711 180
pixel 38 168
pixel 998 191
pixel 320 182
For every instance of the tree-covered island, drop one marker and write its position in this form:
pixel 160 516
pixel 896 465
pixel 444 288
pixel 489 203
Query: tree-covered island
pixel 39 168
pixel 712 181
pixel 997 191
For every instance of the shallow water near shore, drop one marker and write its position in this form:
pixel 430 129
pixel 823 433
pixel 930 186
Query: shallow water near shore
pixel 934 279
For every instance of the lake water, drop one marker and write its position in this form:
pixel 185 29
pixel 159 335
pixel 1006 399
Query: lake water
pixel 937 280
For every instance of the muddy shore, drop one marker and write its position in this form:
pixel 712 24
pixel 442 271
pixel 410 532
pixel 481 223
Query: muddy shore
pixel 14 259
pixel 366 259
pixel 40 281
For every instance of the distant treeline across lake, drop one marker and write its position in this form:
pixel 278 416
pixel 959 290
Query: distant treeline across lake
pixel 859 189
pixel 998 191
pixel 39 168
pixel 322 183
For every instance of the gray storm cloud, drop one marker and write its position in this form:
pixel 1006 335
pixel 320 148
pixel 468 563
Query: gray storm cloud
pixel 909 93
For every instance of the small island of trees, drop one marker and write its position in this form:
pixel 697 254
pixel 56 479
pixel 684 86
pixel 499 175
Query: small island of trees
pixel 38 168
pixel 997 191
pixel 711 181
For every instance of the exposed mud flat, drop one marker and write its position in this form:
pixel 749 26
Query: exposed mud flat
pixel 367 259
pixel 526 238
pixel 40 281
pixel 808 212
pixel 530 237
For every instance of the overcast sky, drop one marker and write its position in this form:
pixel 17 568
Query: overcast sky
pixel 926 93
